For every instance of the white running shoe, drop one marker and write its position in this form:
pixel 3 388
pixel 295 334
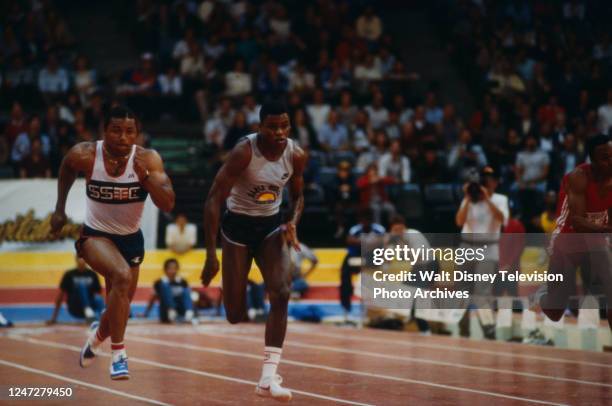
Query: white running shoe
pixel 274 390
pixel 88 355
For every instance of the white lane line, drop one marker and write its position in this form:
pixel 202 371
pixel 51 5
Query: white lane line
pixel 300 330
pixel 80 383
pixel 186 370
pixel 415 360
pixel 175 344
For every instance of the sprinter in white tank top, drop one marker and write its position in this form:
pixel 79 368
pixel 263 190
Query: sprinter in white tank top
pixel 119 176
pixel 253 177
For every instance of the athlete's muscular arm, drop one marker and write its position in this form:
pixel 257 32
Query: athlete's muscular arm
pixel 227 176
pixel 79 159
pixel 576 195
pixel 149 167
pixel 296 193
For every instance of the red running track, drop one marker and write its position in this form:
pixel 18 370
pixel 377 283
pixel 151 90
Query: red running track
pixel 219 363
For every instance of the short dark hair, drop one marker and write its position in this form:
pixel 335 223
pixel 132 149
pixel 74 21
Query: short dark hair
pixel 397 219
pixel 119 111
pixel 594 142
pixel 272 108
pixel 170 261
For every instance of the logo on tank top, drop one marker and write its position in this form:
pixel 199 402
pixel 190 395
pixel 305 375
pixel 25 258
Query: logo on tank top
pixel 115 193
pixel 262 194
pixel 599 218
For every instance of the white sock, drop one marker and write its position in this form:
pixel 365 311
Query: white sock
pixel 272 356
pixel 119 352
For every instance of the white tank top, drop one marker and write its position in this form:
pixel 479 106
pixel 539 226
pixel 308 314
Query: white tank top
pixel 114 204
pixel 259 190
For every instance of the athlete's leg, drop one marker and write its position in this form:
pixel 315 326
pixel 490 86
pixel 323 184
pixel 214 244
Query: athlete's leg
pixel 104 328
pixel 104 257
pixel 235 267
pixel 272 258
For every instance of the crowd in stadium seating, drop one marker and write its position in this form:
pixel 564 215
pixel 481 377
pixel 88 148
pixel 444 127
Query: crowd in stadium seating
pixel 540 71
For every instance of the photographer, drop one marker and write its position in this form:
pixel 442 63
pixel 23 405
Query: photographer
pixel 481 216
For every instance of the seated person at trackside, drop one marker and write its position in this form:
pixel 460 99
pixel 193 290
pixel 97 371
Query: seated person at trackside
pixel 81 287
pixel 299 286
pixel 173 294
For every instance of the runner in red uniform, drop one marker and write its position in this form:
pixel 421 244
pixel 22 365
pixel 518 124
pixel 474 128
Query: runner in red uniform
pixel 585 203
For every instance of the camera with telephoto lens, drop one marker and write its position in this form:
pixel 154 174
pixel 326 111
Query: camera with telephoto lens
pixel 473 189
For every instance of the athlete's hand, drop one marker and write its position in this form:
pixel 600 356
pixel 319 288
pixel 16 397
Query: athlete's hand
pixel 290 233
pixel 140 166
pixel 58 220
pixel 211 268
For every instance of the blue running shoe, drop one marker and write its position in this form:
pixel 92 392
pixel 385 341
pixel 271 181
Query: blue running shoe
pixel 119 369
pixel 88 356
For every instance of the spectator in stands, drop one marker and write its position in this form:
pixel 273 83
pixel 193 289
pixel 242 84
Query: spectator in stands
pixel 181 47
pixel 342 193
pixel 302 131
pixel 82 290
pixel 16 125
pixel 170 99
pixel 532 165
pixel 84 79
pixel 346 110
pixel 192 65
pixel 548 112
pixel 450 125
pixel 531 173
pixel 238 130
pixel 22 145
pixel 272 83
pixel 238 82
pixel 300 79
pixel 333 135
pixel 431 167
pixel 368 70
pixel 375 151
pixel 524 123
pixel 53 80
pixel 251 109
pixel 481 216
pixel 361 133
pixel 181 236
pixel 466 156
pixel 433 112
pixel 173 294
pixel 35 164
pixel 394 165
pixel 318 111
pixel 564 159
pixel 373 193
pixel 493 135
pixel 604 114
pixel 351 264
pixel 377 112
pixel 299 286
pixel 369 25
pixel 336 80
